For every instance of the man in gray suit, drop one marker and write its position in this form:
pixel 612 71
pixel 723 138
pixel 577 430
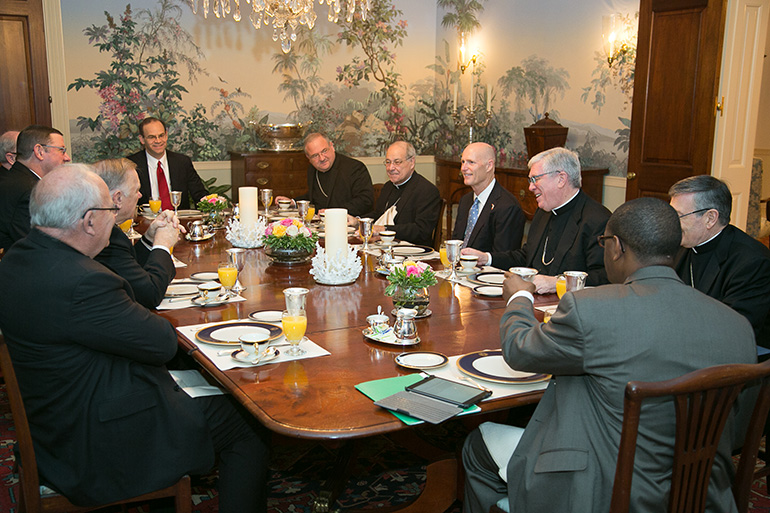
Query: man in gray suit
pixel 646 326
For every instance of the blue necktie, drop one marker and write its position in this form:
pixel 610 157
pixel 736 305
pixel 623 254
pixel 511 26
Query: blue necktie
pixel 472 218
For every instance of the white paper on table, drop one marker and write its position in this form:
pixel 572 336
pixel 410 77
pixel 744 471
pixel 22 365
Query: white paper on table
pixel 178 263
pixel 226 361
pixel 388 217
pixel 177 303
pixel 194 384
pixel 452 372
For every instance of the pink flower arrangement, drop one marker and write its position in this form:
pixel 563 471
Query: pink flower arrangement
pixel 410 275
pixel 212 203
pixel 290 233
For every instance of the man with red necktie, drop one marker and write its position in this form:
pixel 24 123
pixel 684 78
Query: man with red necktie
pixel 162 171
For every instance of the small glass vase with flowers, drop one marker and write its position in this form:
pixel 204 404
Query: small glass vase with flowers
pixel 289 241
pixel 214 207
pixel 408 287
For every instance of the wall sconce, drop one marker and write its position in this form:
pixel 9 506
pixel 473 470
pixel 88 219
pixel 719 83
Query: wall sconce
pixel 462 63
pixel 470 116
pixel 616 38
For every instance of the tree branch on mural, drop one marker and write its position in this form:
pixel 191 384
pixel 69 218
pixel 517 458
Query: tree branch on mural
pixel 463 14
pixel 536 81
pixel 375 36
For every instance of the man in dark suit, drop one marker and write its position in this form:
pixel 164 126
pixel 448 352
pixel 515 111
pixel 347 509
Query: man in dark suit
pixel 562 235
pixel 716 257
pixel 155 164
pixel 147 265
pixel 107 419
pixel 39 149
pixel 335 180
pixel 497 221
pixel 8 149
pixel 647 326
pixel 408 204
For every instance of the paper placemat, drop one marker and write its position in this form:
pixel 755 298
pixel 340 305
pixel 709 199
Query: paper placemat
pixel 177 303
pixel 452 372
pixel 225 362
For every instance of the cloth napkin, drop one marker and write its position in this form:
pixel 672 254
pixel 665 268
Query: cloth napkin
pixel 226 362
pixel 177 263
pixel 177 303
pixel 388 217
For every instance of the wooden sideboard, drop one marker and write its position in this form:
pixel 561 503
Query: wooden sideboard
pixel 451 187
pixel 283 171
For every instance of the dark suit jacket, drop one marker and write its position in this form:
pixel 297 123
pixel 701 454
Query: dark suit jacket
pixel 184 178
pixel 148 272
pixel 500 225
pixel 418 209
pixel 578 249
pixel 651 328
pixel 15 188
pixel 351 187
pixel 107 419
pixel 737 274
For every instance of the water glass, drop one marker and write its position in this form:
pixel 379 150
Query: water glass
pixel 453 248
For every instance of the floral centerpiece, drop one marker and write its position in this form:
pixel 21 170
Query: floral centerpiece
pixel 409 282
pixel 289 241
pixel 213 205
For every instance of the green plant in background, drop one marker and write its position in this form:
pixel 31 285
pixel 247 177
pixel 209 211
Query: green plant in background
pixel 299 68
pixel 217 189
pixel 142 78
pixel 377 36
pixel 463 14
pixel 200 136
pixel 535 82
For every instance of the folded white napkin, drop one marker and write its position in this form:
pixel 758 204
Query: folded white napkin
pixel 178 263
pixel 388 217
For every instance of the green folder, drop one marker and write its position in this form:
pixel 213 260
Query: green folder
pixel 382 388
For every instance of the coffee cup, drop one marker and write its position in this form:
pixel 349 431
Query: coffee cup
pixel 254 343
pixel 387 236
pixel 284 204
pixel 209 290
pixel 576 280
pixel 378 322
pixel 469 262
pixel 526 273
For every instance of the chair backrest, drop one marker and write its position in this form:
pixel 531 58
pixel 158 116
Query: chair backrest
pixel 454 199
pixel 703 402
pixel 377 189
pixel 28 478
pixel 437 231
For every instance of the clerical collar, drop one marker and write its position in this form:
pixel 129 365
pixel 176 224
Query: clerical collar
pixel 705 247
pixel 564 206
pixel 399 185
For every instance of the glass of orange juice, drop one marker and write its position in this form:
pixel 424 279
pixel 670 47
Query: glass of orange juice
pixel 442 253
pixel 126 225
pixel 155 205
pixel 561 285
pixel 294 323
pixel 310 213
pixel 228 275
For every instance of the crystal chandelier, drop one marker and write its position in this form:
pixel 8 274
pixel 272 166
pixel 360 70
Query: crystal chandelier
pixel 285 14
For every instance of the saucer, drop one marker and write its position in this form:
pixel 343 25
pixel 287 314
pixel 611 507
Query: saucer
pixel 242 356
pixel 426 313
pixel 199 301
pixel 469 271
pixel 199 239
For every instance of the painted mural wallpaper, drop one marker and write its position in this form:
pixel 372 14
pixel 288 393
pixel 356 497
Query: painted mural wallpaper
pixel 405 72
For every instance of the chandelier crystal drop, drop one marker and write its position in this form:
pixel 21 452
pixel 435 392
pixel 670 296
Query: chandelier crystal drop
pixel 284 15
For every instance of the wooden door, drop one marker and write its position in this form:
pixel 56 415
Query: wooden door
pixel 675 90
pixel 24 95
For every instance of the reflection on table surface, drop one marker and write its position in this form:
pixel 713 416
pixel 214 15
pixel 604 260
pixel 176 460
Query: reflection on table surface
pixel 316 398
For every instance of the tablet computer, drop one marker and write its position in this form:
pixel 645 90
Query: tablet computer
pixel 449 391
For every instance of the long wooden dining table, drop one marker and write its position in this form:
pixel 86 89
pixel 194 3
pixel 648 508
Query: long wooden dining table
pixel 315 398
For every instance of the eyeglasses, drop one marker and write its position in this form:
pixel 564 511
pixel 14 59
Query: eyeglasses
pixel 396 162
pixel 601 238
pixel 534 179
pixel 153 138
pixel 322 153
pixel 62 149
pixel 112 209
pixel 693 212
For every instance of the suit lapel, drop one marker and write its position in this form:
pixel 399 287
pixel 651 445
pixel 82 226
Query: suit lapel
pixel 494 196
pixel 536 234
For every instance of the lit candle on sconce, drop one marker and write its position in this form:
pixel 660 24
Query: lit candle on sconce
pixel 489 98
pixel 247 204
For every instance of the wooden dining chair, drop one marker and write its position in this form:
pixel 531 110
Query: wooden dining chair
pixel 437 231
pixel 377 188
pixel 703 402
pixel 31 498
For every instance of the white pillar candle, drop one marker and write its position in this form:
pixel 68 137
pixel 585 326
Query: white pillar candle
pixel 470 100
pixel 489 98
pixel 454 103
pixel 247 203
pixel 336 228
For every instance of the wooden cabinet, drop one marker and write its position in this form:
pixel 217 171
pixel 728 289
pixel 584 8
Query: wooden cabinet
pixel 451 187
pixel 283 171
